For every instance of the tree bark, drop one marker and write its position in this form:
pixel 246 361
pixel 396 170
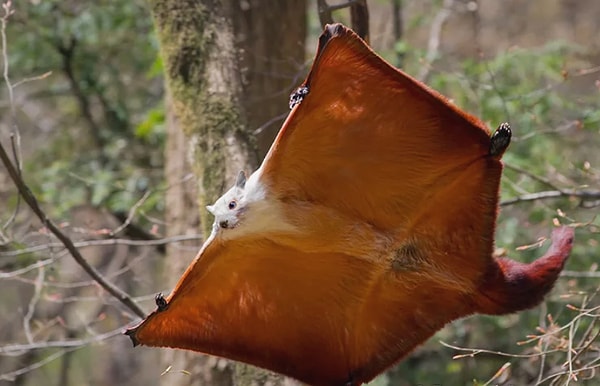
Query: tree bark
pixel 182 217
pixel 201 69
pixel 208 135
pixel 271 39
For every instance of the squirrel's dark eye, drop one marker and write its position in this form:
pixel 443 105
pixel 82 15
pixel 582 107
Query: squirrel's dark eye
pixel 232 204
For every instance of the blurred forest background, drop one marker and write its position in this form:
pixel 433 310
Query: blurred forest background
pixel 121 163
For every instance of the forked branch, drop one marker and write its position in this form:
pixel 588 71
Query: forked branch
pixel 32 202
pixel 359 15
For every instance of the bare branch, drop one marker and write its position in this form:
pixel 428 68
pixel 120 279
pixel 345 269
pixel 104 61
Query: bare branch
pixel 588 71
pixel 562 340
pixel 131 214
pixel 39 284
pixel 589 198
pixel 269 122
pixel 67 346
pixel 471 352
pixel 347 4
pixel 579 274
pixel 4 19
pixel 532 176
pixel 19 349
pixel 25 192
pixel 586 196
pixel 104 242
pixel 14 374
pixel 67 53
pixel 32 79
pixel 15 136
pixel 18 272
pixel 435 33
pixel 560 129
pixel 325 16
pixel 359 15
pixel 325 10
pixel 66 241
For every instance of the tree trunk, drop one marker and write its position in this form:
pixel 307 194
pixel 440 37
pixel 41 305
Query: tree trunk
pixel 271 38
pixel 182 217
pixel 208 136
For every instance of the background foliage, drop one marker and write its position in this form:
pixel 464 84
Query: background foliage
pixel 92 145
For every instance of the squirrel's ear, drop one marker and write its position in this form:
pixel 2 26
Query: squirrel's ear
pixel 240 182
pixel 211 209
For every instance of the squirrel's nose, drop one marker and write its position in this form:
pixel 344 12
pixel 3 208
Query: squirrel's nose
pixel 224 223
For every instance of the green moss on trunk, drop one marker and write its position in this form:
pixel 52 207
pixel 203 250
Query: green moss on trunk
pixel 205 103
pixel 203 77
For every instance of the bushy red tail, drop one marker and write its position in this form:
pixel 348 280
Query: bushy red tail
pixel 512 286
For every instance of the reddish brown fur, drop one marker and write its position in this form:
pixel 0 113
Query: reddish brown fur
pixel 391 196
pixel 511 286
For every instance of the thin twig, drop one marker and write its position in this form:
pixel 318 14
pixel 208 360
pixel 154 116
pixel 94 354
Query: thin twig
pixel 359 15
pixel 32 202
pixel 587 71
pixel 17 349
pixel 21 271
pixel 561 129
pixel 15 136
pixel 565 372
pixel 325 10
pixel 574 352
pixel 32 79
pixel 4 19
pixel 585 195
pixel 497 374
pixel 37 293
pixel 544 343
pixel 269 122
pixel 579 274
pixel 435 33
pixel 103 242
pixel 131 213
pixel 476 351
pixel 532 176
pixel 15 151
pixel 342 5
pixel 570 353
pixel 108 301
pixel 67 53
pixel 24 370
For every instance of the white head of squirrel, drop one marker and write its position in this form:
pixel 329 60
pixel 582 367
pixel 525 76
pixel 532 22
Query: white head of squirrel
pixel 228 208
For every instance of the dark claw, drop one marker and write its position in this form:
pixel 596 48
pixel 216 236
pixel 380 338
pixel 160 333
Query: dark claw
pixel 161 302
pixel 297 96
pixel 500 140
